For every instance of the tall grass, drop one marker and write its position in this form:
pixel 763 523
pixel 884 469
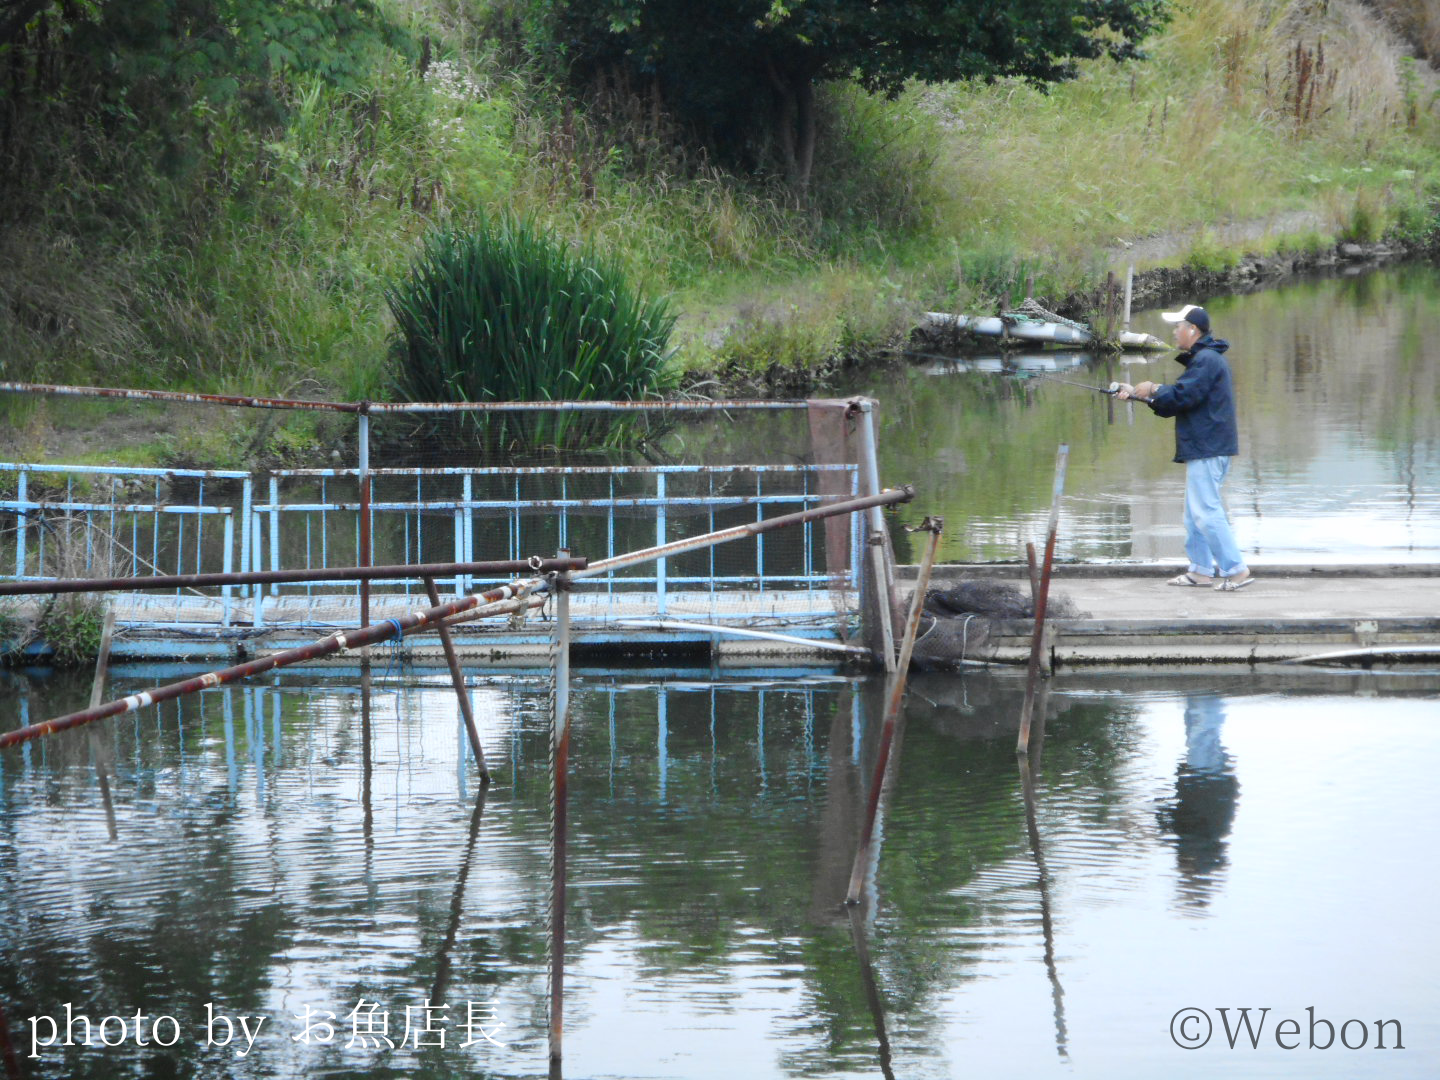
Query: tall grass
pixel 266 271
pixel 505 311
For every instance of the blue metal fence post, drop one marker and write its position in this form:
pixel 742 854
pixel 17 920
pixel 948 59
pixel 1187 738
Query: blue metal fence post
pixel 22 497
pixel 660 539
pixel 469 532
pixel 246 496
pixel 228 563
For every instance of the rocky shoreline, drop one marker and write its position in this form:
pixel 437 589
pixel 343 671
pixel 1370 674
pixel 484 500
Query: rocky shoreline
pixel 1163 284
pixel 1153 287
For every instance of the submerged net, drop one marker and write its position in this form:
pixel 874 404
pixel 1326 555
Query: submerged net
pixel 959 620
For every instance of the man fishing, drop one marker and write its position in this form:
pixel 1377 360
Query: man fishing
pixel 1202 401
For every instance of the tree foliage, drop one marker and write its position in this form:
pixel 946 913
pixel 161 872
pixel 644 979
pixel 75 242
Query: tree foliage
pixel 743 72
pixel 112 68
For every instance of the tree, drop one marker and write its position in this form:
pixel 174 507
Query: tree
pixel 742 73
pixel 142 72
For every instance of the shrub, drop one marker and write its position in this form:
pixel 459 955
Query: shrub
pixel 72 625
pixel 509 312
pixel 1207 253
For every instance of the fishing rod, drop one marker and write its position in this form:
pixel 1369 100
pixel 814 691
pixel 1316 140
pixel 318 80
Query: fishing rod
pixel 1110 391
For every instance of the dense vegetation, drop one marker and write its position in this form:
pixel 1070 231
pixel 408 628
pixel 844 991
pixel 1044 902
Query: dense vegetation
pixel 742 74
pixel 505 312
pixel 217 194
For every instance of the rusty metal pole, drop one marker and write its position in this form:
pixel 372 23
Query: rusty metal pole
pixel 496 601
pixel 97 749
pixel 458 679
pixel 363 466
pixel 934 526
pixel 496 567
pixel 1037 639
pixel 560 754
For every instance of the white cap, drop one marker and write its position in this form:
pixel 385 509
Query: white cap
pixel 1191 313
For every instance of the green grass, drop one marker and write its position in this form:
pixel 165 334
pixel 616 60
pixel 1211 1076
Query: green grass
pixel 265 271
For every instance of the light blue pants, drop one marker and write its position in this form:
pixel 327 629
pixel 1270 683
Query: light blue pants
pixel 1209 540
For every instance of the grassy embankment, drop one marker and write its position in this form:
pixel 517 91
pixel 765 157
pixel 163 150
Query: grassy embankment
pixel 262 270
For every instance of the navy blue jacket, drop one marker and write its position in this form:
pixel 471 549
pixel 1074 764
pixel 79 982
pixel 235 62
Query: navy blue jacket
pixel 1202 400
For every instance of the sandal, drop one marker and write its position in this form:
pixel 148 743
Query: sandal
pixel 1190 580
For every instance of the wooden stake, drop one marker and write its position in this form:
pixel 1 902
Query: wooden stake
pixel 934 526
pixel 1037 640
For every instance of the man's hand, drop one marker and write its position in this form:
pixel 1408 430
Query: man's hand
pixel 1141 391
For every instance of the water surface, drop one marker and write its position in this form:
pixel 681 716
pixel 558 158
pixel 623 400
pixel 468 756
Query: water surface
pixel 1207 841
pixel 1339 408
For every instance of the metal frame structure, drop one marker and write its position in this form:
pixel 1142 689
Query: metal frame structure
pixel 256 530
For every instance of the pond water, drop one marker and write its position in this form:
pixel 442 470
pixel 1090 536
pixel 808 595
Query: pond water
pixel 313 850
pixel 1339 406
pixel 295 849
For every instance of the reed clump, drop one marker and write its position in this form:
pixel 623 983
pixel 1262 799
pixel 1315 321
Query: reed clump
pixel 508 311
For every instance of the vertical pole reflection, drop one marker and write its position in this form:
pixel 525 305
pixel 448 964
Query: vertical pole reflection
pixel 231 769
pixel 872 989
pixel 1032 828
pixel 25 722
pixel 98 747
pixel 890 733
pixel 366 770
pixel 100 754
pixel 662 737
pixel 7 1051
pixel 457 903
pixel 276 725
pixel 559 799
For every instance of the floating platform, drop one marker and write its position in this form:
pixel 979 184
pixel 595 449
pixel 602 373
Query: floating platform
pixel 1348 616
pixel 1352 616
pixel 740 625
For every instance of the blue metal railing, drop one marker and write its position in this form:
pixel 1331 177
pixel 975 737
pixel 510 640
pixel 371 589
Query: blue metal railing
pixel 122 531
pixel 460 514
pixel 174 524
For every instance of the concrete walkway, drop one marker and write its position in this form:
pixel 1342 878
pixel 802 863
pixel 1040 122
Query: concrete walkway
pixel 1129 614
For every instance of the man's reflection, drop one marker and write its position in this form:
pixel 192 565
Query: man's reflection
pixel 1206 794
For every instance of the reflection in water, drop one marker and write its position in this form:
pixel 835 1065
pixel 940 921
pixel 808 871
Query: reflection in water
pixel 100 753
pixel 1339 407
pixel 7 1050
pixel 1028 763
pixel 705 934
pixel 873 997
pixel 457 905
pixel 1206 793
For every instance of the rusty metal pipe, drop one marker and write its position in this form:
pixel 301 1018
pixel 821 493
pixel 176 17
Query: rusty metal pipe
pixel 266 577
pixel 395 406
pixel 888 497
pixel 173 395
pixel 1037 640
pixel 337 642
pixel 458 679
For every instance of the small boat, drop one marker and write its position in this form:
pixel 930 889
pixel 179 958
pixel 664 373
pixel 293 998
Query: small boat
pixel 1027 328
